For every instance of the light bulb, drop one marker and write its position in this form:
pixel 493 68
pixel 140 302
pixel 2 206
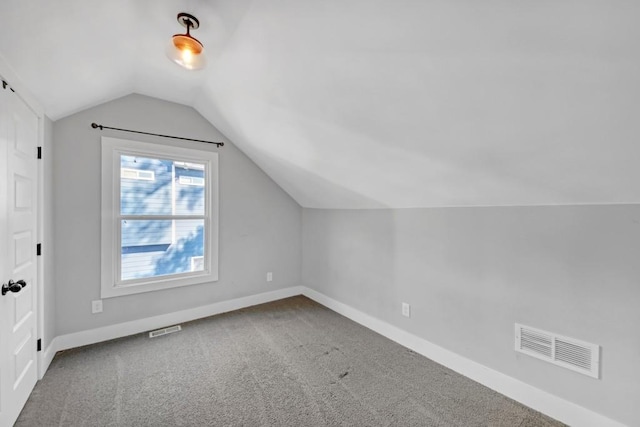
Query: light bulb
pixel 187 56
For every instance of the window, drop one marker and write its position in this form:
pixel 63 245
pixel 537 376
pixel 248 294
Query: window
pixel 159 217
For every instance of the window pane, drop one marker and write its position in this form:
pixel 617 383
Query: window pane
pixel 151 186
pixel 160 248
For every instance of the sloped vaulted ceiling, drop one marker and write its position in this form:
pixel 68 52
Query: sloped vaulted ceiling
pixel 370 103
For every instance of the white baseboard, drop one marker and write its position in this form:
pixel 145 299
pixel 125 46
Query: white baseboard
pixel 47 356
pixel 92 336
pixel 540 400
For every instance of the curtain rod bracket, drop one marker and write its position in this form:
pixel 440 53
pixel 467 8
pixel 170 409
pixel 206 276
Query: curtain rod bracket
pixel 101 127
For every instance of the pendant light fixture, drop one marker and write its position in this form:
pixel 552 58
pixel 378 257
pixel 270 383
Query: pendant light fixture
pixel 185 50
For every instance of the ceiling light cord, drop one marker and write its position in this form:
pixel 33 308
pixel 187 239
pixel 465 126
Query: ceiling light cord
pixel 101 127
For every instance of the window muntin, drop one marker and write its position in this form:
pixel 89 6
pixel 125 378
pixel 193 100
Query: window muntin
pixel 163 232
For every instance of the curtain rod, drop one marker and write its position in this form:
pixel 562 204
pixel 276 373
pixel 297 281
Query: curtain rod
pixel 96 126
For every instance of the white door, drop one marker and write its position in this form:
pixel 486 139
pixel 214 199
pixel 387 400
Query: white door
pixel 18 179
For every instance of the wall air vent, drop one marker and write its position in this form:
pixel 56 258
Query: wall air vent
pixel 569 353
pixel 164 331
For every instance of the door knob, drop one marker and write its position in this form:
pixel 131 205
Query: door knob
pixel 13 286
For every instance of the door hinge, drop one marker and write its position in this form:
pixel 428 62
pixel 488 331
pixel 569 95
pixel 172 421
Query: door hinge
pixel 39 152
pixel 39 249
pixel 39 344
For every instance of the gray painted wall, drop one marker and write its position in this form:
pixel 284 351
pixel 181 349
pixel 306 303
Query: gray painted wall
pixel 471 273
pixel 468 273
pixel 260 225
pixel 47 237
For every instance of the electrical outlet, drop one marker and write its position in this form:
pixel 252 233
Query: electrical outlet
pixel 270 277
pixel 96 306
pixel 406 310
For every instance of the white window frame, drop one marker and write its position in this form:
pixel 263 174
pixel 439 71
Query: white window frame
pixel 112 149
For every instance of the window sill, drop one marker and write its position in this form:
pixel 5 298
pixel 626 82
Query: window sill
pixel 156 284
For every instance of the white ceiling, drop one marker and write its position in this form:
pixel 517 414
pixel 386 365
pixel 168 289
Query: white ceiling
pixel 371 103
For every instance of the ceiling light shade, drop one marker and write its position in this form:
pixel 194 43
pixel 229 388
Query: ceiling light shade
pixel 185 50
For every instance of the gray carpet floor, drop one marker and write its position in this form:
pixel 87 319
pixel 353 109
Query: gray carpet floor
pixel 288 363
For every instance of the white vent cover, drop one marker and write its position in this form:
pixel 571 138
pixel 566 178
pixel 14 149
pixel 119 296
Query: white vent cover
pixel 569 353
pixel 164 331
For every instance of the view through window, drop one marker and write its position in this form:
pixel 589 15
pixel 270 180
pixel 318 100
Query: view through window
pixel 162 219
